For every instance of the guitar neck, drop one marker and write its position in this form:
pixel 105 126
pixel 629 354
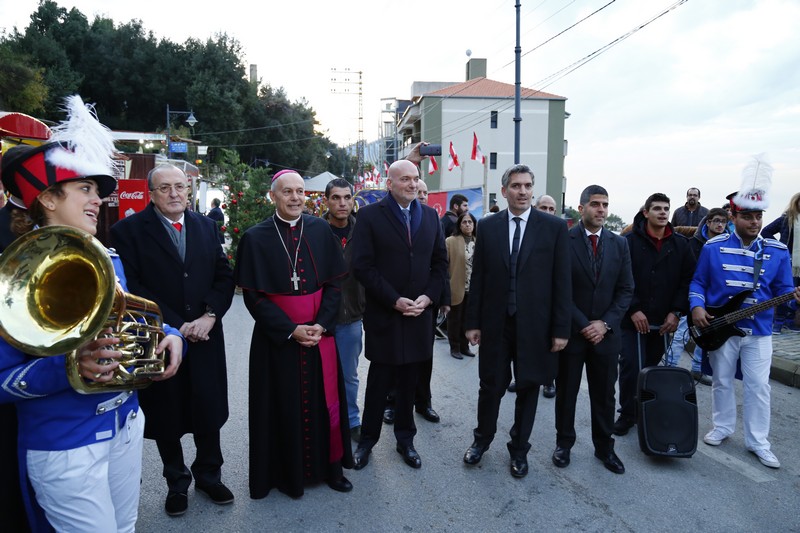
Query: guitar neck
pixel 732 318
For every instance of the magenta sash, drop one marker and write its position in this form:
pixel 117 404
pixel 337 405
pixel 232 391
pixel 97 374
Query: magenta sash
pixel 301 310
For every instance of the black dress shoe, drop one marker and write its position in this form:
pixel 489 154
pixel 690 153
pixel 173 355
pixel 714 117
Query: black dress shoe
pixel 428 414
pixel 611 462
pixel 388 415
pixel 549 391
pixel 623 425
pixel 561 457
pixel 512 387
pixel 474 453
pixel 218 492
pixel 410 455
pixel 176 503
pixel 361 458
pixel 455 354
pixel 466 352
pixel 519 467
pixel 341 485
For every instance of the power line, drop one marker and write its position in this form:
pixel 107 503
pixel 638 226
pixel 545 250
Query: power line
pixel 254 129
pixel 549 80
pixel 560 33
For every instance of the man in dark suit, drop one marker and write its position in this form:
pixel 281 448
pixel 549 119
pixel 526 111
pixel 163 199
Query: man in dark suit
pixel 400 259
pixel 602 288
pixel 173 257
pixel 519 312
pixel 216 214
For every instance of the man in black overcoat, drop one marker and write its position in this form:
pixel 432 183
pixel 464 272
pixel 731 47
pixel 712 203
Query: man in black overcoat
pixel 400 258
pixel 602 288
pixel 519 312
pixel 216 214
pixel 173 257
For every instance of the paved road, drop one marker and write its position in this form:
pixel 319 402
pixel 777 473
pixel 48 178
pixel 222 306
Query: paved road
pixel 445 495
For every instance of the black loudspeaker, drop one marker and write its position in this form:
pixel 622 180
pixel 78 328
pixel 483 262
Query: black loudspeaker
pixel 667 412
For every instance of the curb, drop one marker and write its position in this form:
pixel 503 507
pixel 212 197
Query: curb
pixel 785 371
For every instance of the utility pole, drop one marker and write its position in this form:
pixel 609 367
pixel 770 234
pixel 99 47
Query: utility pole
pixel 517 83
pixel 346 78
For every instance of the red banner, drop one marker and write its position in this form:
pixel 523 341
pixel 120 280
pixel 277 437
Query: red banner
pixel 133 196
pixel 438 201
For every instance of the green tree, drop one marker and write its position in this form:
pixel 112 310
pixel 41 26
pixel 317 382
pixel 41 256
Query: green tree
pixel 132 77
pixel 246 201
pixel 51 36
pixel 22 87
pixel 615 223
pixel 572 214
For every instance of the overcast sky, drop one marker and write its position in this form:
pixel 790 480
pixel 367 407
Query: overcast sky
pixel 684 101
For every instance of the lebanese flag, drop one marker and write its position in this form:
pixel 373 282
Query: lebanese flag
pixel 432 166
pixel 477 155
pixel 386 168
pixel 452 161
pixel 376 173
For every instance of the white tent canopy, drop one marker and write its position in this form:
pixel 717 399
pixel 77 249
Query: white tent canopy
pixel 318 183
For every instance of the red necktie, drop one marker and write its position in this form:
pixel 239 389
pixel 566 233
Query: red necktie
pixel 593 238
pixel 178 226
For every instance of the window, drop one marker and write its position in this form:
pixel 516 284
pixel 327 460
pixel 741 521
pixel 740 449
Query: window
pixel 493 120
pixel 493 160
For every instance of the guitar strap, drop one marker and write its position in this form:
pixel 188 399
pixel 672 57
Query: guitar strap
pixel 758 259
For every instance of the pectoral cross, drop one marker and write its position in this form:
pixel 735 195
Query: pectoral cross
pixel 294 279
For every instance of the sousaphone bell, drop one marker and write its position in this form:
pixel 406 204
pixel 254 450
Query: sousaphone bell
pixel 59 292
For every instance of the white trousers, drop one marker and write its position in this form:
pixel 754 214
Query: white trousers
pixel 95 487
pixel 756 355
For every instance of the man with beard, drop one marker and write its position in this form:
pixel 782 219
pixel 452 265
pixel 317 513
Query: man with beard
pixel 602 287
pixel 458 205
pixel 340 203
pixel 729 264
pixel 692 212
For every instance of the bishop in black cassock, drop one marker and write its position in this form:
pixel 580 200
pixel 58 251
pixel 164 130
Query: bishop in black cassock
pixel 290 271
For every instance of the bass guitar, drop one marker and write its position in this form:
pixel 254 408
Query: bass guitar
pixel 723 326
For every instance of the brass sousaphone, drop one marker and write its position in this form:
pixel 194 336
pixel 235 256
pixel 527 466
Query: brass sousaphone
pixel 58 291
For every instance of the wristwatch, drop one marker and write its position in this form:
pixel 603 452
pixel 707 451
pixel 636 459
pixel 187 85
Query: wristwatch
pixel 210 312
pixel 608 328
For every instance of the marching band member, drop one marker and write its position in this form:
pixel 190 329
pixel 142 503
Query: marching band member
pixel 80 454
pixel 729 264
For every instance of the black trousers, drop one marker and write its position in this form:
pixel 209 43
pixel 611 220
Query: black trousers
pixel 495 375
pixel 206 467
pixel 638 351
pixel 601 376
pixel 380 381
pixel 456 332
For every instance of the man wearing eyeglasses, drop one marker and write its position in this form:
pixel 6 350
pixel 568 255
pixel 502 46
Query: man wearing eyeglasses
pixel 691 213
pixel 716 223
pixel 172 256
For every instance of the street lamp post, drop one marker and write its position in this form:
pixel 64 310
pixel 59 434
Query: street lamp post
pixel 190 120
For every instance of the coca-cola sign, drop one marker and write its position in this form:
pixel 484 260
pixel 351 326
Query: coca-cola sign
pixel 133 196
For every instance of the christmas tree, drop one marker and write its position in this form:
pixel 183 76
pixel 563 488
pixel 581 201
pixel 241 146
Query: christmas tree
pixel 246 202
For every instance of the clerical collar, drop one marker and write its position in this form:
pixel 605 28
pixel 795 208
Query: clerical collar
pixel 291 223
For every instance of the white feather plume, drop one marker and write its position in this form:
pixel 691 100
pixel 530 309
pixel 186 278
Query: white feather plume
pixel 756 183
pixel 90 144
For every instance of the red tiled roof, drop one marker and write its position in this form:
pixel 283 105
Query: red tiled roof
pixel 484 87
